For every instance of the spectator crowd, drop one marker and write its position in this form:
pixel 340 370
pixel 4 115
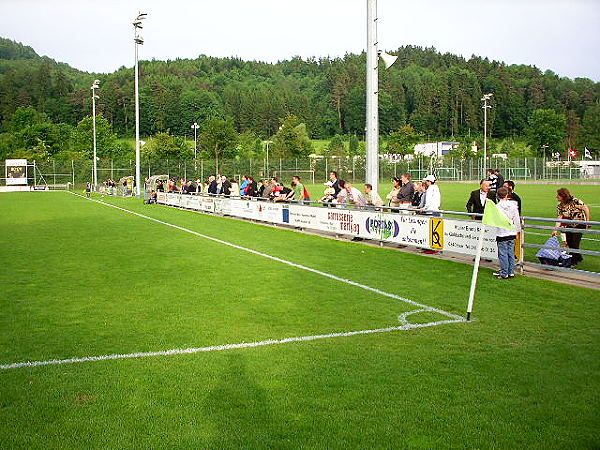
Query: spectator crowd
pixel 419 196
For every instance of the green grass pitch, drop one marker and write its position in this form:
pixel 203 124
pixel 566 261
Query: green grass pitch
pixel 82 279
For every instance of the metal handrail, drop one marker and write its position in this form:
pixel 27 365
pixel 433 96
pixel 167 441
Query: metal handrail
pixel 565 249
pixel 562 229
pixel 576 222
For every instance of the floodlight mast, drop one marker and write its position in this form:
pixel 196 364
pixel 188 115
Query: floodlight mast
pixel 94 97
pixel 372 125
pixel 485 107
pixel 138 40
pixel 195 127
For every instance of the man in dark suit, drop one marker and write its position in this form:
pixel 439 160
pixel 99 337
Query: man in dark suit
pixel 476 203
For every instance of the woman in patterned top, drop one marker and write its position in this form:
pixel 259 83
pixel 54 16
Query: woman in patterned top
pixel 571 208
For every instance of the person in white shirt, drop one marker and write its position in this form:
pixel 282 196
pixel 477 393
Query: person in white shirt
pixel 505 239
pixel 433 196
pixel 353 195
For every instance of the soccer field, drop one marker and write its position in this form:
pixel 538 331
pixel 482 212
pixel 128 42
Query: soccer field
pixel 293 340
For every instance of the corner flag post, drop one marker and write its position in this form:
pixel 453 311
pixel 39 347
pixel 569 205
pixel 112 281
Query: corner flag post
pixel 493 217
pixel 475 271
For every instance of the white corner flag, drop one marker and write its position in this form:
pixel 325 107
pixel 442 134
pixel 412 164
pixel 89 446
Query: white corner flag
pixel 493 217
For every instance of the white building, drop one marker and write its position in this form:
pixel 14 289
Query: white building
pixel 437 149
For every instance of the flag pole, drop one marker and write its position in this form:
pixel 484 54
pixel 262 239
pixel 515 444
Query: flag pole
pixel 475 272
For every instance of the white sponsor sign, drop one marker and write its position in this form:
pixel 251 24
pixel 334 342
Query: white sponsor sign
pixel 422 231
pixel 460 236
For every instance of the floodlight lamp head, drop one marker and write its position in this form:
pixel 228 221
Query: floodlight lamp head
pixel 138 24
pixel 139 40
pixel 388 59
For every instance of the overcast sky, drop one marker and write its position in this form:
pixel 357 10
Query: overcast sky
pixel 561 35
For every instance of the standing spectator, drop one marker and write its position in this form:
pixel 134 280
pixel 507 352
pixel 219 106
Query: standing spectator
pixel 225 186
pixel 372 198
pixel 251 188
pixel 512 195
pixel 406 192
pixel 499 179
pixel 88 189
pixel 477 199
pixel 433 196
pixel 335 183
pixel 392 197
pixel 571 208
pixel 493 179
pixel 418 194
pixel 505 239
pixel 282 193
pixel 244 185
pixel 353 195
pixel 234 190
pixel 261 188
pixel 212 185
pixel 341 195
pixel 269 185
pixel 300 192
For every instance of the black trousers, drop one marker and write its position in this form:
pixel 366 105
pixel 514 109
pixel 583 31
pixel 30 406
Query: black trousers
pixel 573 241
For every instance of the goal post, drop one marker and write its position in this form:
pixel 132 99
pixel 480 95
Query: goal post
pixel 516 173
pixel 279 174
pixel 446 173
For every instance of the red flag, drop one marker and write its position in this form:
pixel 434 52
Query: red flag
pixel 572 153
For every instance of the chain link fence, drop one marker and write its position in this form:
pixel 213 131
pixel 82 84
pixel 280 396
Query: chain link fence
pixel 78 172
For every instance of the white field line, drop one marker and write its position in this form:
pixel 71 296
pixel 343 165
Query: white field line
pixel 283 261
pixel 402 318
pixel 216 348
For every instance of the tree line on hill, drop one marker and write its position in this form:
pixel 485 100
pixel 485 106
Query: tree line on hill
pixel 45 106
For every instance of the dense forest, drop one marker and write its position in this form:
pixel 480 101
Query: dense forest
pixel 426 95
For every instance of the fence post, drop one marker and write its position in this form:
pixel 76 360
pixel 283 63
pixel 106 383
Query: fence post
pixel 202 170
pixel 54 172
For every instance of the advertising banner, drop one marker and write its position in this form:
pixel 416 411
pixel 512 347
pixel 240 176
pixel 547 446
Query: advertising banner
pixel 15 172
pixel 416 230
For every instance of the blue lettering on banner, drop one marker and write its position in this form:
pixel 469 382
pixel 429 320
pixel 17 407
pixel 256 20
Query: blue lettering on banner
pixel 385 228
pixel 286 215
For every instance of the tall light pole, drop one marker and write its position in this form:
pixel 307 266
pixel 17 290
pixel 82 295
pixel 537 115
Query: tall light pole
pixel 94 97
pixel 267 160
pixel 372 125
pixel 138 40
pixel 195 127
pixel 485 107
pixel 372 134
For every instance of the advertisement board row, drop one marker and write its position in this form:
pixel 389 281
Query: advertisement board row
pixel 410 229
